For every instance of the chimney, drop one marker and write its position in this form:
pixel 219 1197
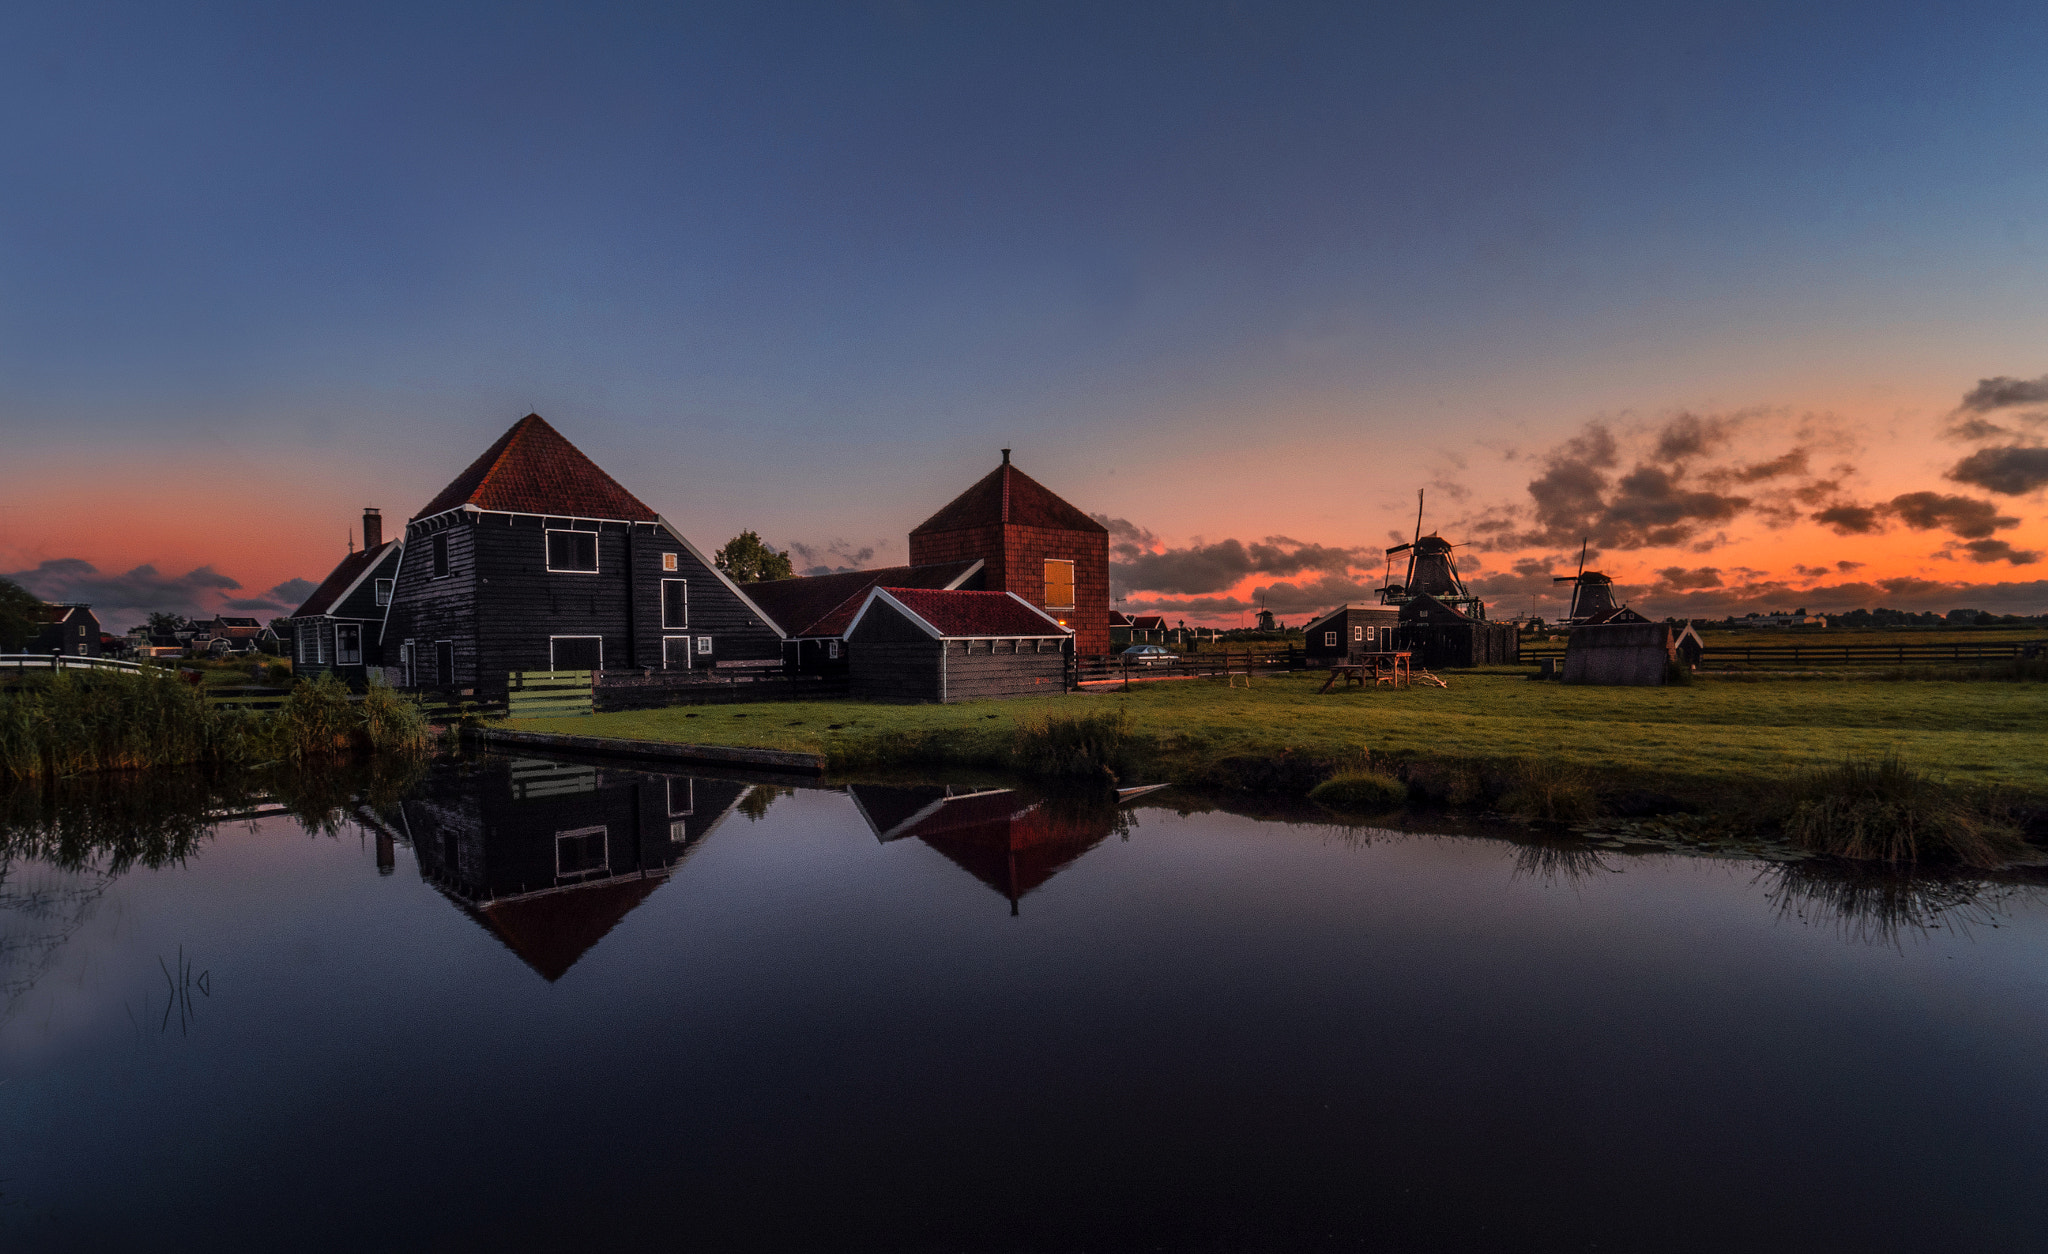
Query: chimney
pixel 1006 457
pixel 373 528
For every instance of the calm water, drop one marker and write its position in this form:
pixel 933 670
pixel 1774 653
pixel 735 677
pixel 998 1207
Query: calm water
pixel 536 1004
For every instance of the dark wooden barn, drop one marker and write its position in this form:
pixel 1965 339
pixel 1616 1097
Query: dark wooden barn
pixel 67 627
pixel 535 559
pixel 548 856
pixel 1349 629
pixel 1622 648
pixel 1442 635
pixel 814 611
pixel 1033 544
pixel 920 644
pixel 337 628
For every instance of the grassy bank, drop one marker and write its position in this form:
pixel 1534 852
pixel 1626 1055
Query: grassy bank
pixel 78 722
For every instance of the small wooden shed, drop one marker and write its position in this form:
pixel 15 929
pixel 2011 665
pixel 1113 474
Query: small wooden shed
pixel 929 644
pixel 1623 649
pixel 1349 629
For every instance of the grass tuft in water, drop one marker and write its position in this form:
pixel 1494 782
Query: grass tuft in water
pixel 1061 746
pixel 1360 791
pixel 1885 810
pixel 1545 788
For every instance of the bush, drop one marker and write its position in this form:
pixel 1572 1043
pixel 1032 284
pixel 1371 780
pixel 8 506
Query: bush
pixel 1887 811
pixel 1544 788
pixel 1364 791
pixel 1089 746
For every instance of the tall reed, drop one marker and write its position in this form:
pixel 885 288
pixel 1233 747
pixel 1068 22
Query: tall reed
pixel 1090 746
pixel 1885 810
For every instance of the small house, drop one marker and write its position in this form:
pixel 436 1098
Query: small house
pixel 1441 635
pixel 814 611
pixel 535 559
pixel 1355 628
pixel 337 628
pixel 67 627
pixel 921 644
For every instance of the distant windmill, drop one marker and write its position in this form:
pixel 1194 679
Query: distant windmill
pixel 1592 592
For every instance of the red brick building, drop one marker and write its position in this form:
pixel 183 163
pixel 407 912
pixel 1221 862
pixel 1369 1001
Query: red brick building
pixel 1033 543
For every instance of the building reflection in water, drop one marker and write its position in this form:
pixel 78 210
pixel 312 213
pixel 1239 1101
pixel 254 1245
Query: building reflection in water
pixel 549 856
pixel 1009 841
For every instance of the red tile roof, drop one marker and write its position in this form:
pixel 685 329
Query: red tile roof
pixel 823 605
pixel 1008 495
pixel 550 931
pixel 338 580
pixel 533 469
pixel 976 614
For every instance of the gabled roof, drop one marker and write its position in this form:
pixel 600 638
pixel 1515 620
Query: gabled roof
pixel 1008 495
pixel 957 615
pixel 824 605
pixel 1619 614
pixel 1349 605
pixel 1430 607
pixel 533 469
pixel 56 611
pixel 342 578
pixel 550 931
pixel 1148 622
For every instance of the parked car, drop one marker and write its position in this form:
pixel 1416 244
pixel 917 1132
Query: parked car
pixel 1149 655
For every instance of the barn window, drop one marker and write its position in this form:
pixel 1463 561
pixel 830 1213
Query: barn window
pixel 440 557
pixel 832 649
pixel 1357 634
pixel 580 853
pixel 348 644
pixel 704 645
pixel 675 603
pixel 668 561
pixel 682 797
pixel 444 663
pixel 1329 639
pixel 572 551
pixel 1059 584
pixel 675 652
pixel 384 591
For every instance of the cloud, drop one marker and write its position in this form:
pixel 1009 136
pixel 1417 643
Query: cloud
pixel 281 599
pixel 1681 578
pixel 1140 563
pixel 2000 551
pixel 1967 517
pixel 1849 519
pixel 2003 392
pixel 1845 567
pixel 2011 470
pixel 130 595
pixel 830 558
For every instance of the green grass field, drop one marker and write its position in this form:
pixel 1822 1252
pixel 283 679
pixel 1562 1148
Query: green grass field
pixel 1706 735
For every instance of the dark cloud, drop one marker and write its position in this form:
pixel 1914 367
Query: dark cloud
pixel 1849 519
pixel 1127 540
pixel 1138 563
pixel 1987 551
pixel 1967 517
pixel 1690 435
pixel 130 595
pixel 2012 470
pixel 831 557
pixel 1680 578
pixel 1846 567
pixel 281 599
pixel 2003 392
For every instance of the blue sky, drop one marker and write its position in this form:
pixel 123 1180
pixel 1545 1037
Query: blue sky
pixel 1223 270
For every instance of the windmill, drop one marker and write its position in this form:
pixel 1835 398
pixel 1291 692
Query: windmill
pixel 1432 572
pixel 1592 592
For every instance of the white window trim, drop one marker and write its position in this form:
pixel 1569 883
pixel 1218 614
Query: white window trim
pixel 338 629
pixel 703 646
pixel 579 833
pixel 584 636
pixel 665 624
pixel 689 797
pixel 1329 640
pixel 689 647
pixel 437 546
pixel 409 664
pixel 596 551
pixel 669 562
pixel 383 590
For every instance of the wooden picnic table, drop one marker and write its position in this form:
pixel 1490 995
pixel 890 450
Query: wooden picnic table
pixel 1391 670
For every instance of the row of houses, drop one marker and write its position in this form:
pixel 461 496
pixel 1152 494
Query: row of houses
pixel 534 558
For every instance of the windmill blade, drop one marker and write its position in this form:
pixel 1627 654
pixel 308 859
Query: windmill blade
pixel 1400 548
pixel 1564 579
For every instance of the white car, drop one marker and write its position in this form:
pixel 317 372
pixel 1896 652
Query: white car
pixel 1149 655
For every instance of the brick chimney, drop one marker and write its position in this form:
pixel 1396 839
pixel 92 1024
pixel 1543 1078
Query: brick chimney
pixel 373 528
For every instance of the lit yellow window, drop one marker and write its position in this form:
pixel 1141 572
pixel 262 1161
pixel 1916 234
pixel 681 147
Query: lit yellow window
pixel 1059 584
pixel 668 561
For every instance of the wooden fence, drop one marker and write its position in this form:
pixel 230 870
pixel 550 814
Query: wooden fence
pixel 548 694
pixel 648 690
pixel 1115 668
pixel 1818 654
pixel 56 661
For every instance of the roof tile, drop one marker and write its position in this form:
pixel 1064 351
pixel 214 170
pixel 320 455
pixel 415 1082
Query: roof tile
pixel 533 469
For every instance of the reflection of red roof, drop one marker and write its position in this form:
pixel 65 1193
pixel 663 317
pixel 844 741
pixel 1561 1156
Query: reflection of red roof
pixel 550 931
pixel 1008 495
pixel 1011 849
pixel 338 580
pixel 823 605
pixel 533 469
pixel 955 615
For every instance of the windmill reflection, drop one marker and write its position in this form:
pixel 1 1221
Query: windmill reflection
pixel 1009 841
pixel 549 856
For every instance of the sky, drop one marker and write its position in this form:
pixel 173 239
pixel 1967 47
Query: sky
pixel 1747 297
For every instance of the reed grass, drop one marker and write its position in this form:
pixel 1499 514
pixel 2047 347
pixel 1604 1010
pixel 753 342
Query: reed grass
pixel 1885 810
pixel 1362 790
pixel 77 722
pixel 1065 746
pixel 1545 788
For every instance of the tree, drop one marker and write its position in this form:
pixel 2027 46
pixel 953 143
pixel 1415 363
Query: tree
pixel 748 560
pixel 20 616
pixel 162 624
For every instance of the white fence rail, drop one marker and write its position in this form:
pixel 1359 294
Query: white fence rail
pixel 53 661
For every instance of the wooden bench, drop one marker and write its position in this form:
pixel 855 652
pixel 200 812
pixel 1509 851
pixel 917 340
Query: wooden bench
pixel 1387 670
